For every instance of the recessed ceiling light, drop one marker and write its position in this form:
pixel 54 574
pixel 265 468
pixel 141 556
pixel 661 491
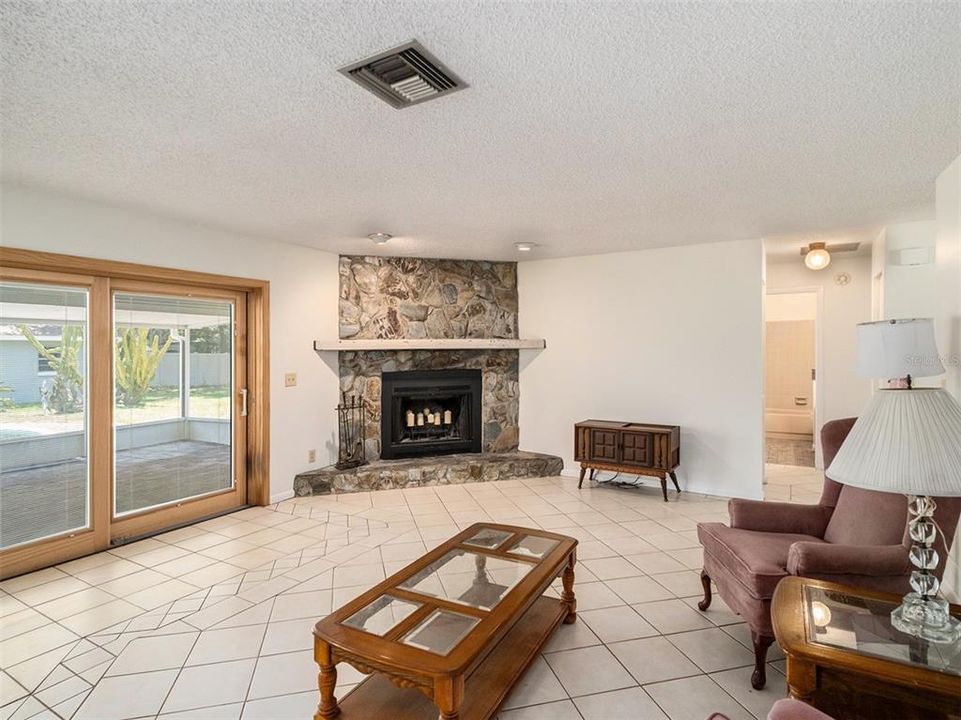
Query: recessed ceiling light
pixel 524 246
pixel 379 238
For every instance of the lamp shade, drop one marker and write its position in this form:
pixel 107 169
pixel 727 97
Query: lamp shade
pixel 908 441
pixel 898 348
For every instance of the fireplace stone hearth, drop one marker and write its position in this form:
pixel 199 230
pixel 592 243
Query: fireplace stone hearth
pixel 428 471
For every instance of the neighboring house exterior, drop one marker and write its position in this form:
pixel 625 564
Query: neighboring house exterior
pixel 23 369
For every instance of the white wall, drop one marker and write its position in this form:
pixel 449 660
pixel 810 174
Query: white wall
pixel 948 314
pixel 948 273
pixel 842 393
pixel 909 290
pixel 671 335
pixel 303 299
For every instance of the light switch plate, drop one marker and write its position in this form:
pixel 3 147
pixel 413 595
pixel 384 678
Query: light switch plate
pixel 290 380
pixel 312 456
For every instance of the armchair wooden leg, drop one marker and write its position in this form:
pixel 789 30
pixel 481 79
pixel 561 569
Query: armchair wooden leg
pixel 706 584
pixel 759 676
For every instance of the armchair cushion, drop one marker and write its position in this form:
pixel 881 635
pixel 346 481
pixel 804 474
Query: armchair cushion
pixel 756 560
pixel 867 517
pixel 879 567
pixel 779 517
pixel 788 709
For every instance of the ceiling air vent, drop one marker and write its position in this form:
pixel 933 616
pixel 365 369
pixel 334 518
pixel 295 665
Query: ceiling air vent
pixel 404 75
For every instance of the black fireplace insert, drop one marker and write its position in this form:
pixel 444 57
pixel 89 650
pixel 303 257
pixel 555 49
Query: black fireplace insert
pixel 430 412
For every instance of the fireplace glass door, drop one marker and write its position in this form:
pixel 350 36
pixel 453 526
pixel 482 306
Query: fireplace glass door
pixel 436 412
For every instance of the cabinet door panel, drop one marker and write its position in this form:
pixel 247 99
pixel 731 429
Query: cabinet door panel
pixel 604 445
pixel 636 448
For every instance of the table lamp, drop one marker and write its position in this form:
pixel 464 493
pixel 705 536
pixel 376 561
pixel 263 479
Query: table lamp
pixel 908 441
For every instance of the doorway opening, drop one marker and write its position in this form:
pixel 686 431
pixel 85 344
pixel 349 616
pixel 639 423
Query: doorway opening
pixel 790 392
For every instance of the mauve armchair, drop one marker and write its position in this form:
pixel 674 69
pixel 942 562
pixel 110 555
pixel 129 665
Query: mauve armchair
pixel 852 536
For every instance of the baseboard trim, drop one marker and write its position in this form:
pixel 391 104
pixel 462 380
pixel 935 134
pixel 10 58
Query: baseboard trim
pixel 281 496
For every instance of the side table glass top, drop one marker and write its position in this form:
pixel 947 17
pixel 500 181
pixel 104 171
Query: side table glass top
pixel 850 622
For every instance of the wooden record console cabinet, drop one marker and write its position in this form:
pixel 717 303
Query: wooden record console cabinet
pixel 632 448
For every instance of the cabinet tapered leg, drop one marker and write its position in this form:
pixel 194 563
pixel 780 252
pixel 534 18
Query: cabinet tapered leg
pixel 674 480
pixel 581 479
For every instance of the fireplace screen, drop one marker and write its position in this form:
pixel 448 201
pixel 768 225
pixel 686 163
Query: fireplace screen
pixel 436 412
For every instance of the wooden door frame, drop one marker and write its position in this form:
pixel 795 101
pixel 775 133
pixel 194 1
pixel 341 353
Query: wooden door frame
pixel 96 274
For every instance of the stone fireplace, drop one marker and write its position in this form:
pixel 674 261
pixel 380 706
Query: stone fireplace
pixel 437 412
pixel 416 298
pixel 401 324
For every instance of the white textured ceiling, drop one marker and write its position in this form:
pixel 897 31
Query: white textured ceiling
pixel 588 126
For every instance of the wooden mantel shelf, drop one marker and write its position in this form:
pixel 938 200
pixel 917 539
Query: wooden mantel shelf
pixel 431 344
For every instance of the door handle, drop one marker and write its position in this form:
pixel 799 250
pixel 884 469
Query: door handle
pixel 243 402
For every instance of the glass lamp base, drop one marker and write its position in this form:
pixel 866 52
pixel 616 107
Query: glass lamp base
pixel 926 618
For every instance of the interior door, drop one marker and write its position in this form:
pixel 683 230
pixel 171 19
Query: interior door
pixel 179 410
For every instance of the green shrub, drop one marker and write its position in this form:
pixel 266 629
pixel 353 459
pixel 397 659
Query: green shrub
pixel 138 357
pixel 66 395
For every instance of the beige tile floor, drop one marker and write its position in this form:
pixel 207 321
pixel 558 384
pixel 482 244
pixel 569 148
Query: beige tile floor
pixel 212 622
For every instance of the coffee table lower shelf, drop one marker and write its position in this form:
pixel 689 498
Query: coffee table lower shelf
pixel 485 689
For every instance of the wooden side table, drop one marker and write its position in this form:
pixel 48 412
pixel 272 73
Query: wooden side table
pixel 845 659
pixel 631 448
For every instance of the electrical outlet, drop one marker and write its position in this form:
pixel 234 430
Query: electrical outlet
pixel 290 380
pixel 312 456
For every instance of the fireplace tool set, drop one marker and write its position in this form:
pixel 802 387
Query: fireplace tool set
pixel 350 415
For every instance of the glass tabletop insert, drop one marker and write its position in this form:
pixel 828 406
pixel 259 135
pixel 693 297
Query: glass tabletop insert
pixel 381 615
pixel 474 579
pixel 440 631
pixel 488 538
pixel 851 622
pixel 531 546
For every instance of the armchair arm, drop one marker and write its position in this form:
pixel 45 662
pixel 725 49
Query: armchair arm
pixel 812 559
pixel 779 517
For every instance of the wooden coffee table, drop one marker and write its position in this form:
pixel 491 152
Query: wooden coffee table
pixel 458 626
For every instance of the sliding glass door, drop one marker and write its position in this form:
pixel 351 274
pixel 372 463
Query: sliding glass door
pixel 44 469
pixel 123 408
pixel 179 371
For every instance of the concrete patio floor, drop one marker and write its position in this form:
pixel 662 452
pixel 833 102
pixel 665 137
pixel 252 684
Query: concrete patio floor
pixel 43 501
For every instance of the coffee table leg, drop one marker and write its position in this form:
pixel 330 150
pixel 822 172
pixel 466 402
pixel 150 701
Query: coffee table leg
pixel 567 597
pixel 326 681
pixel 448 696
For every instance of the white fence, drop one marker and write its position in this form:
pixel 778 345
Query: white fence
pixel 205 369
